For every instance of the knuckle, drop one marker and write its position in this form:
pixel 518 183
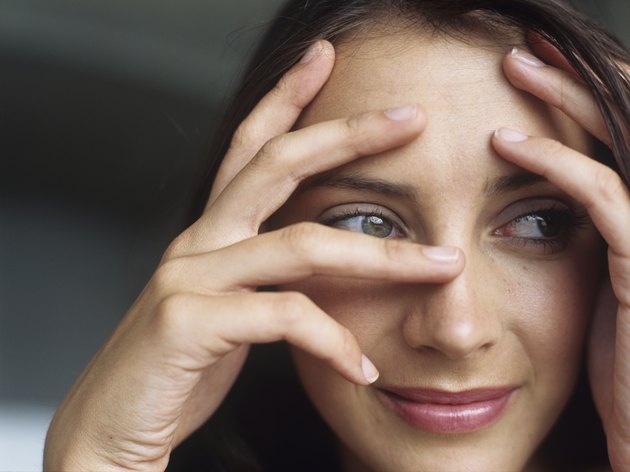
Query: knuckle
pixel 394 250
pixel 301 239
pixel 344 347
pixel 355 127
pixel 287 90
pixel 348 345
pixel 177 247
pixel 273 160
pixel 272 152
pixel 553 148
pixel 360 133
pixel 564 95
pixel 282 88
pixel 353 123
pixel 241 136
pixel 608 184
pixel 290 308
pixel 550 149
pixel 169 316
pixel 568 89
pixel 168 275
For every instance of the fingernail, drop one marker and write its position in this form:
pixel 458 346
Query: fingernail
pixel 507 134
pixel 369 370
pixel 441 253
pixel 402 113
pixel 311 52
pixel 526 58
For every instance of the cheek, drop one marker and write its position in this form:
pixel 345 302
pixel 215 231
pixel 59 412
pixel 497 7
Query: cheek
pixel 372 311
pixel 550 305
pixel 544 307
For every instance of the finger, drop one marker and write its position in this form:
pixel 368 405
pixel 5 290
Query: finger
pixel 601 346
pixel 597 187
pixel 557 87
pixel 307 249
pixel 618 423
pixel 548 53
pixel 272 176
pixel 609 373
pixel 277 112
pixel 211 327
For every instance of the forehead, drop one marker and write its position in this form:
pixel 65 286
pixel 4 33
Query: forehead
pixel 376 69
pixel 459 85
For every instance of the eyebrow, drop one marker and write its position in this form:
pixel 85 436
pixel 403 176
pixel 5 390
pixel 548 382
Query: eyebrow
pixel 356 182
pixel 512 182
pixel 503 184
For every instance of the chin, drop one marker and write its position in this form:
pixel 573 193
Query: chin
pixel 423 457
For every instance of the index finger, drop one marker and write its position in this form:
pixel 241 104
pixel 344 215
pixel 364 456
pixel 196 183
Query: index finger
pixel 277 112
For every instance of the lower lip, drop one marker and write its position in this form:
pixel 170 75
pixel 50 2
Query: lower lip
pixel 447 418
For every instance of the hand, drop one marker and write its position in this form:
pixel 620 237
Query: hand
pixel 175 355
pixel 607 201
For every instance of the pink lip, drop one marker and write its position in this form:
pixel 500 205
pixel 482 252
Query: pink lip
pixel 443 412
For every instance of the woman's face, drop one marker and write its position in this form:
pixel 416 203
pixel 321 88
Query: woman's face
pixel 472 372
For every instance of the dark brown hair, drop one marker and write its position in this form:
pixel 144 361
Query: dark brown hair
pixel 597 57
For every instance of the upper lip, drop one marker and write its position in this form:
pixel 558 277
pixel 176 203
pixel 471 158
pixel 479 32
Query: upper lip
pixel 443 397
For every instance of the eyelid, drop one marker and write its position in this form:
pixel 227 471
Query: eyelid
pixel 537 205
pixel 361 208
pixel 531 205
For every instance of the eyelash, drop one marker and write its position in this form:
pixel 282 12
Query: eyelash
pixel 345 215
pixel 573 220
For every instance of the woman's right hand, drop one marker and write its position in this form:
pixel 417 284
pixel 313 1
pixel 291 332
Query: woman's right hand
pixel 176 353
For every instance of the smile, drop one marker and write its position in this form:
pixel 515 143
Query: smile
pixel 447 412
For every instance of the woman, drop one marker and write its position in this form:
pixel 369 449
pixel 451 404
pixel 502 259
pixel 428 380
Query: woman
pixel 448 336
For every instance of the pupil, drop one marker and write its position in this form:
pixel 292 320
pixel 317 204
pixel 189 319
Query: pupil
pixel 375 226
pixel 550 225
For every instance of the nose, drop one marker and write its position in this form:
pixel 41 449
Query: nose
pixel 454 319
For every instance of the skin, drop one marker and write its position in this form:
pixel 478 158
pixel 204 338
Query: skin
pixel 176 353
pixel 517 314
pixel 607 200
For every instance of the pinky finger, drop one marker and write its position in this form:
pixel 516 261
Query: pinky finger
pixel 215 326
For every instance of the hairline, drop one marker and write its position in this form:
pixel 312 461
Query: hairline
pixel 473 28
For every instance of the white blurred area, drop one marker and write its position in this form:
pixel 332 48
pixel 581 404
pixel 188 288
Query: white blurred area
pixel 105 111
pixel 22 433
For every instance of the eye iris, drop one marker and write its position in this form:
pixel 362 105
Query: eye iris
pixel 376 226
pixel 550 224
pixel 547 224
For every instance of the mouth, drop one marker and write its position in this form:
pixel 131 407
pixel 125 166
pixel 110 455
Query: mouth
pixel 443 412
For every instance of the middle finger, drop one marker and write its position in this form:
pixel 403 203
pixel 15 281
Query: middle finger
pixel 597 187
pixel 268 180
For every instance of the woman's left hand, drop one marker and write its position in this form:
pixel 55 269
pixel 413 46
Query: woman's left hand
pixel 607 200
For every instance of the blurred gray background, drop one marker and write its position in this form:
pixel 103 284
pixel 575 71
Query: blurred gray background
pixel 106 107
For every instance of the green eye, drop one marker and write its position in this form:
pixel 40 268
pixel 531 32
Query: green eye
pixel 372 224
pixel 376 226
